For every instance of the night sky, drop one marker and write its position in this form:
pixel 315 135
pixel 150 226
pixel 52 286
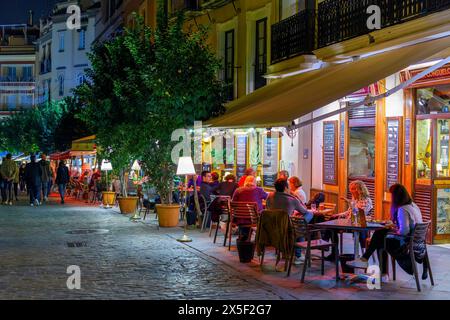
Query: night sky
pixel 16 11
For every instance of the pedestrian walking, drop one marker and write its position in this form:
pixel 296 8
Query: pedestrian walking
pixel 22 181
pixel 33 177
pixel 62 179
pixel 47 176
pixel 8 170
pixel 16 185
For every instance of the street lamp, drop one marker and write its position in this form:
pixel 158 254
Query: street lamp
pixel 186 168
pixel 106 166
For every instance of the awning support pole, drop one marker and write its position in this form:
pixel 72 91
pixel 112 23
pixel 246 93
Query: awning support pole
pixel 370 100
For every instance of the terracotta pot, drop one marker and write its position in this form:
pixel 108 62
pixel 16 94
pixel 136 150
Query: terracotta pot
pixel 108 198
pixel 168 215
pixel 127 205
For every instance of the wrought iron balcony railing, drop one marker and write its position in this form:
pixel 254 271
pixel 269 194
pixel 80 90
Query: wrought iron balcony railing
pixel 293 36
pixel 340 20
pixel 188 5
pixel 11 79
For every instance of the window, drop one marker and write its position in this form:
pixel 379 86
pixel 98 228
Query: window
pixel 261 53
pixel 26 101
pixel 229 63
pixel 61 85
pixel 362 152
pixel 80 79
pixel 112 7
pixel 12 74
pixel 11 102
pixel 27 74
pixel 82 39
pixel 61 41
pixel 433 100
pixel 290 7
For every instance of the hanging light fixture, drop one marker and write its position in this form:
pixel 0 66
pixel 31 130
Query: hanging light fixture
pixel 291 132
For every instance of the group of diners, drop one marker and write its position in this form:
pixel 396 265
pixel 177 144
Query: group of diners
pixel 290 197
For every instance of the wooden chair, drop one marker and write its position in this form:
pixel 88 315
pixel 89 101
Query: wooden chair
pixel 303 230
pixel 418 235
pixel 274 230
pixel 243 214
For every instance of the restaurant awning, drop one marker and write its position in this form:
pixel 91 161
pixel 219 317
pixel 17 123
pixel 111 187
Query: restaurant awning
pixel 285 100
pixel 86 144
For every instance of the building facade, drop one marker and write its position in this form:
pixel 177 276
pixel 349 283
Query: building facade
pixel 17 67
pixel 62 54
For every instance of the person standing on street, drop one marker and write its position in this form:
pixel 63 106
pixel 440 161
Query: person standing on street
pixel 47 175
pixel 33 177
pixel 8 171
pixel 22 182
pixel 16 185
pixel 62 179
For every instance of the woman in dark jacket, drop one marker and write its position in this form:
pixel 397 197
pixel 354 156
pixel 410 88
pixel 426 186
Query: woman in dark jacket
pixel 62 178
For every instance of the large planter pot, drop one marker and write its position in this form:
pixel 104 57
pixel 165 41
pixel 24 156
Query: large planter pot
pixel 108 198
pixel 128 205
pixel 168 215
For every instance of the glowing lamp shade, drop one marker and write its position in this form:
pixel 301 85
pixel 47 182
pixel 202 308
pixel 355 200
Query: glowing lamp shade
pixel 106 166
pixel 185 166
pixel 136 166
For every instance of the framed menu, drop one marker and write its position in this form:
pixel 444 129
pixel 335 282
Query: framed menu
pixel 407 141
pixel 393 151
pixel 329 165
pixel 241 155
pixel 270 159
pixel 229 153
pixel 342 140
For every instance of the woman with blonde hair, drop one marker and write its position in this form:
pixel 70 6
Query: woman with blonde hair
pixel 360 201
pixel 295 187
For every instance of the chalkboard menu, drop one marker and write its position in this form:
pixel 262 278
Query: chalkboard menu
pixel 342 141
pixel 270 160
pixel 392 156
pixel 330 152
pixel 241 155
pixel 407 141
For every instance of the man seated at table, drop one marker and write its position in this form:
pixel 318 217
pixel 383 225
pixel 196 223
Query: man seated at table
pixel 281 199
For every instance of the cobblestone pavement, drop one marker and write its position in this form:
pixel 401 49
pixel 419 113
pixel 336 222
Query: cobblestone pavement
pixel 135 260
pixel 131 261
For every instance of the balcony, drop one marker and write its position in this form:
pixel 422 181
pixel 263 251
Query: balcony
pixel 340 20
pixel 15 79
pixel 187 5
pixel 293 36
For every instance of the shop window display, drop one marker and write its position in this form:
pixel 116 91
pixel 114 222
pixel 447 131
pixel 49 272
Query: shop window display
pixel 424 150
pixel 443 211
pixel 433 100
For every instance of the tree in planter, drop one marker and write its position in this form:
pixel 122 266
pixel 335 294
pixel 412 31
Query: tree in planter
pixel 185 88
pixel 114 98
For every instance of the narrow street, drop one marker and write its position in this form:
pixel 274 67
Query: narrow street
pixel 121 259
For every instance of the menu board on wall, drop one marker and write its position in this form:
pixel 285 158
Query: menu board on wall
pixel 229 152
pixel 393 152
pixel 342 140
pixel 241 155
pixel 270 160
pixel 407 141
pixel 330 152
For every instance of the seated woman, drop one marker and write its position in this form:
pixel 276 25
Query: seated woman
pixel 360 200
pixel 249 193
pixel 295 187
pixel 404 215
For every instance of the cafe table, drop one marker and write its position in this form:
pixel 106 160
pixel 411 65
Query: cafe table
pixel 348 226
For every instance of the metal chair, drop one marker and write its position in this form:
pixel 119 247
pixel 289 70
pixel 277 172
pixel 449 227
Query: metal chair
pixel 224 203
pixel 243 214
pixel 303 230
pixel 418 235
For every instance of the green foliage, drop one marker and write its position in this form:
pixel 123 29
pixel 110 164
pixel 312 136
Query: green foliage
pixel 32 130
pixel 144 84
